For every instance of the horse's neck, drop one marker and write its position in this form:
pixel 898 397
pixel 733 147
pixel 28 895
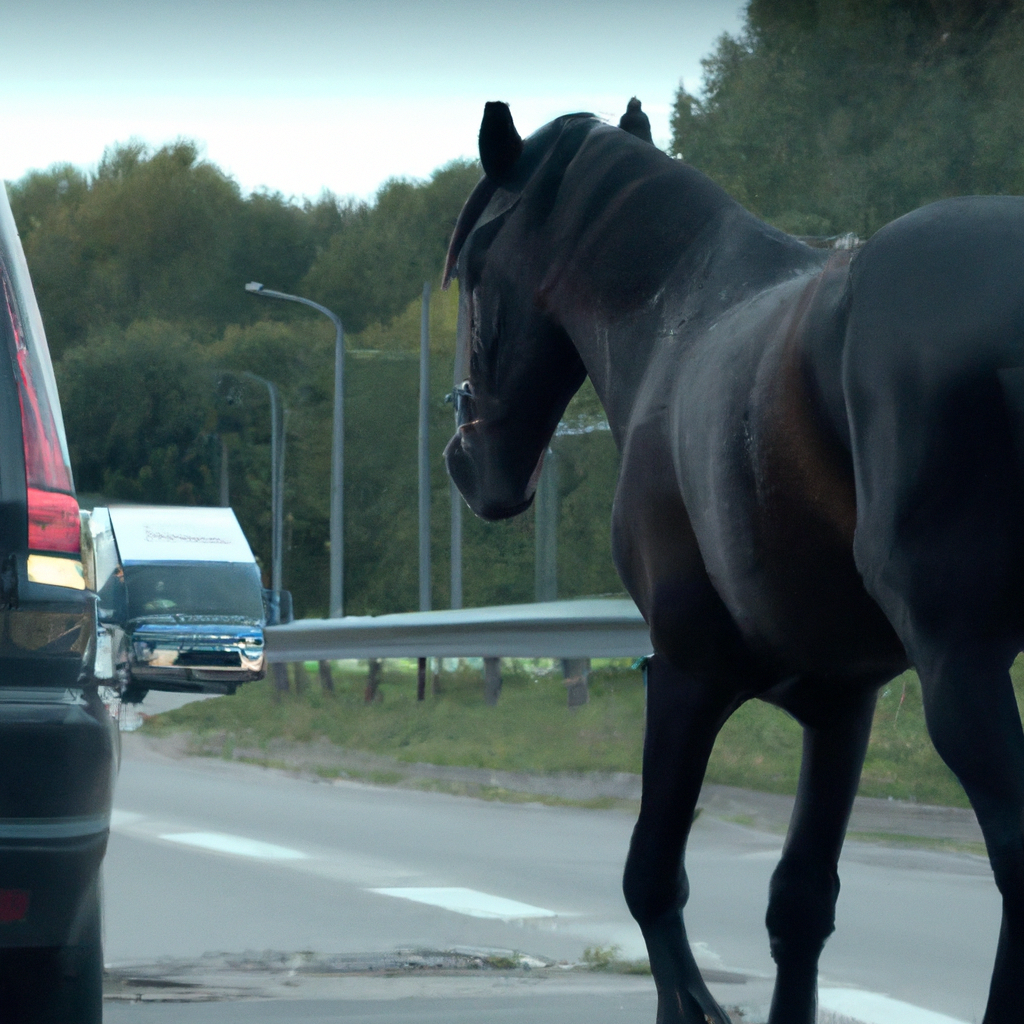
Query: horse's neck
pixel 731 257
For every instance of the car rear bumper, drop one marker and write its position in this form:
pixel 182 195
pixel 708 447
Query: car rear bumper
pixel 45 885
pixel 45 640
pixel 59 753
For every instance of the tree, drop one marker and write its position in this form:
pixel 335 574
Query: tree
pixel 167 235
pixel 376 264
pixel 139 410
pixel 827 116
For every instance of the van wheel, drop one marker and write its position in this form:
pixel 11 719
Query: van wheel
pixel 133 693
pixel 57 984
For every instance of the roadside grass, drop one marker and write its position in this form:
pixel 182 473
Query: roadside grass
pixel 607 958
pixel 532 730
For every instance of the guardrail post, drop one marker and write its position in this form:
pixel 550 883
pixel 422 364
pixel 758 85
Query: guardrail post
pixel 576 673
pixel 545 531
pixel 326 679
pixel 300 677
pixel 372 680
pixel 492 681
pixel 279 673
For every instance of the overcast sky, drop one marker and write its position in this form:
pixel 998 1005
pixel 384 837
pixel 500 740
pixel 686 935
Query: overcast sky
pixel 303 95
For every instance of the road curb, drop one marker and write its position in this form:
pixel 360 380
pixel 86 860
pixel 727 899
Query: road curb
pixel 872 818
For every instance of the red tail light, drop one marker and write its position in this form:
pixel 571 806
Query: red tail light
pixel 13 905
pixel 53 522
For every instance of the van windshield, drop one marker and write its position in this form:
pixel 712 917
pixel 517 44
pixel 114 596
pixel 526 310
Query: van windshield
pixel 194 589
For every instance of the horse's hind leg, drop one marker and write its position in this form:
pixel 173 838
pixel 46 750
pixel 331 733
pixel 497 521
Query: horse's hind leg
pixel 805 885
pixel 684 714
pixel 973 720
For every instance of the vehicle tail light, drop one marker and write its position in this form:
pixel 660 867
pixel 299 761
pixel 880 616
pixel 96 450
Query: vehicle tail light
pixel 13 905
pixel 53 522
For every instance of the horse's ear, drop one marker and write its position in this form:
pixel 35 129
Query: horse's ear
pixel 470 214
pixel 500 144
pixel 635 121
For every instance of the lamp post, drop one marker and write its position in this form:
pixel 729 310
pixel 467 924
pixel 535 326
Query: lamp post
pixel 337 560
pixel 276 479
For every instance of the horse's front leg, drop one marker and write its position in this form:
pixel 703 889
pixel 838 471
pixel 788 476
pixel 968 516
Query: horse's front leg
pixel 805 885
pixel 684 714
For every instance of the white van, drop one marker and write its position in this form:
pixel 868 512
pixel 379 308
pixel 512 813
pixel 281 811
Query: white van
pixel 181 604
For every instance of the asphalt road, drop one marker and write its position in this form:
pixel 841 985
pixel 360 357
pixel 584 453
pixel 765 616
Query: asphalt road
pixel 185 874
pixel 614 1005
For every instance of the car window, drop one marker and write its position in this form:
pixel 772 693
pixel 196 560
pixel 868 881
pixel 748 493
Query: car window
pixel 194 588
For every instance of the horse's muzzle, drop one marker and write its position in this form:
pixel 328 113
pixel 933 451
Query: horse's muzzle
pixel 489 495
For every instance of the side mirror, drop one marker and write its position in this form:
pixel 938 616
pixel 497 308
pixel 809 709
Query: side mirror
pixel 277 607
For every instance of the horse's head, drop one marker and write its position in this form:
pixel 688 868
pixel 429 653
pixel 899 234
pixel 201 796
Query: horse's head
pixel 520 367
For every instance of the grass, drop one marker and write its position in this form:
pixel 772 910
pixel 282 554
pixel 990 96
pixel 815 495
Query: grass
pixel 917 842
pixel 532 730
pixel 606 958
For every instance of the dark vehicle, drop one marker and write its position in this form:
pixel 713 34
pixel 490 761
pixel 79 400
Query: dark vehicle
pixel 181 605
pixel 59 747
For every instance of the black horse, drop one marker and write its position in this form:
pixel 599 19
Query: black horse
pixel 822 482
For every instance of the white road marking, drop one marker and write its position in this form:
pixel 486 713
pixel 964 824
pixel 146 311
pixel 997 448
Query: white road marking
pixel 238 845
pixel 470 902
pixel 862 1006
pixel 349 866
pixel 872 1008
pixel 120 818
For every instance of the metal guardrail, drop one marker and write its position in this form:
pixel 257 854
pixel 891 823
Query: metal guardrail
pixel 593 628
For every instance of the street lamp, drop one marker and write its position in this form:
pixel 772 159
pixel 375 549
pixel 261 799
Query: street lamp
pixel 337 560
pixel 276 479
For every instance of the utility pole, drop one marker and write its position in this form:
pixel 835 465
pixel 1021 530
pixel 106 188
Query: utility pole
pixel 277 444
pixel 337 559
pixel 424 477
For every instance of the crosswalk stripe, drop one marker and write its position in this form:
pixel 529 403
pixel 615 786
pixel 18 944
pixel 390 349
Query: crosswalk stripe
pixel 237 845
pixel 872 1008
pixel 469 902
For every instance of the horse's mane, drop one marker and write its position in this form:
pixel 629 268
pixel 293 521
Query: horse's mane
pixel 554 137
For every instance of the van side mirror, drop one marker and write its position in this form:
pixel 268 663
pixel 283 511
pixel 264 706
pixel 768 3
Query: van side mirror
pixel 277 607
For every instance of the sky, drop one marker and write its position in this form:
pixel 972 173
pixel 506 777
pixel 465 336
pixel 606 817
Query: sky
pixel 299 96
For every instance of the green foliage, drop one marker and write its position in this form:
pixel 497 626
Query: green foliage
pixel 147 237
pixel 377 262
pixel 166 235
pixel 138 411
pixel 608 958
pixel 828 116
pixel 530 730
pixel 148 407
